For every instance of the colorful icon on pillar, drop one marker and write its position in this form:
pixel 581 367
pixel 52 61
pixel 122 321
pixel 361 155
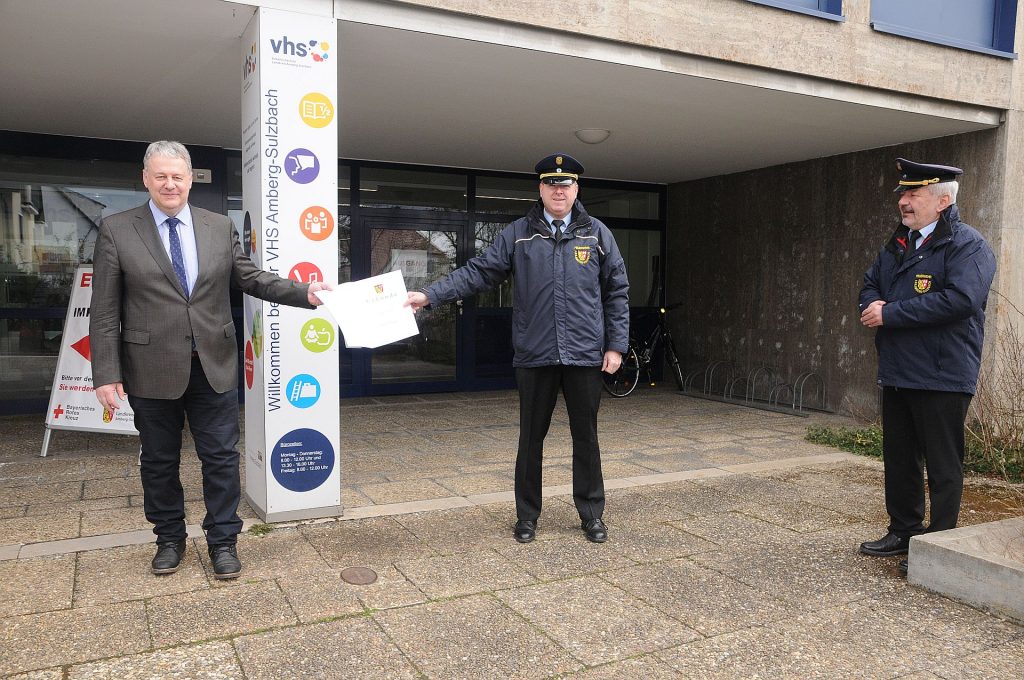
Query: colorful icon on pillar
pixel 303 391
pixel 317 335
pixel 257 334
pixel 250 364
pixel 301 166
pixel 316 110
pixel 316 223
pixel 302 460
pixel 305 272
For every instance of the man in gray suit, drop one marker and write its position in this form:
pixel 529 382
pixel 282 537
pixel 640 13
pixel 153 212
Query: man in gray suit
pixel 161 333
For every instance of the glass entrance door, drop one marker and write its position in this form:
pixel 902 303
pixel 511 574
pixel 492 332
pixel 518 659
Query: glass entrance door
pixel 424 250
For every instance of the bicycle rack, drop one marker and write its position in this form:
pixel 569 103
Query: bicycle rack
pixel 760 387
pixel 801 383
pixel 709 374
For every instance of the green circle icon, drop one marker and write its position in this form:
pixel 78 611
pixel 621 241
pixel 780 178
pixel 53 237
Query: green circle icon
pixel 317 335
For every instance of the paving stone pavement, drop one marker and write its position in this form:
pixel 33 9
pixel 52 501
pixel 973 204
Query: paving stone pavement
pixel 732 553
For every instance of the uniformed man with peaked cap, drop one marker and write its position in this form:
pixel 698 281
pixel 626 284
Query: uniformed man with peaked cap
pixel 926 295
pixel 570 322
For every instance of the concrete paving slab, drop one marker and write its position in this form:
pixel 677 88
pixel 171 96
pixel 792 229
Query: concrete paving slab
pixel 998 661
pixel 41 493
pixel 982 565
pixel 201 615
pixel 124 574
pixel 470 484
pixel 36 641
pixel 376 542
pixel 458 530
pixel 114 520
pixel 595 621
pixel 473 637
pixel 649 542
pixel 404 491
pixel 209 661
pixel 51 674
pixel 39 529
pixel 463 574
pixel 646 667
pixel 67 507
pixel 353 648
pixel 87 543
pixel 319 596
pixel 282 552
pixel 37 585
pixel 703 599
pixel 115 486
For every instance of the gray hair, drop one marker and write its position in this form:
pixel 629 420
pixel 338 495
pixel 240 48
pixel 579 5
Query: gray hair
pixel 168 149
pixel 942 188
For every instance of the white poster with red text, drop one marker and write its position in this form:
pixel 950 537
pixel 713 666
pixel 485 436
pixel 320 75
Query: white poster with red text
pixel 290 203
pixel 73 405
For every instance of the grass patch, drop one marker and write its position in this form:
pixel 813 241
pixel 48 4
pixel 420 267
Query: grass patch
pixel 261 529
pixel 987 458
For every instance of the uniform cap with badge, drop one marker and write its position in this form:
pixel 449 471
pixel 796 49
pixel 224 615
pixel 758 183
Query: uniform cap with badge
pixel 914 175
pixel 559 168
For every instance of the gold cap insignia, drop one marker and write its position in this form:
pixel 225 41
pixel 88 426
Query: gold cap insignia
pixel 558 160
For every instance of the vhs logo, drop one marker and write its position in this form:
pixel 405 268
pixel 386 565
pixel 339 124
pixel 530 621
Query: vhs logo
pixel 317 49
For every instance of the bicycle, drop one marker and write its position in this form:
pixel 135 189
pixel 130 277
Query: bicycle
pixel 639 356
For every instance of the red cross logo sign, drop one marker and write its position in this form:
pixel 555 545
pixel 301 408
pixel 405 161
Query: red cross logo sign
pixel 57 412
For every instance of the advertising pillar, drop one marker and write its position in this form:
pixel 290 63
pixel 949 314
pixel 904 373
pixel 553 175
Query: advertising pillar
pixel 290 199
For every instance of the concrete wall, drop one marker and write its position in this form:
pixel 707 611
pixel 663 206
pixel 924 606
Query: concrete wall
pixel 770 262
pixel 746 33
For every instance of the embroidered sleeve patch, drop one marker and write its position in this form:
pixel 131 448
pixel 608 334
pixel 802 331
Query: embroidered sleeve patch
pixel 922 283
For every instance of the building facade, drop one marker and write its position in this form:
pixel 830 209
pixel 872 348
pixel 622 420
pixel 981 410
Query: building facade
pixel 746 163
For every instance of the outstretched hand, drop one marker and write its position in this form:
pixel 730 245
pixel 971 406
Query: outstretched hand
pixel 416 300
pixel 314 287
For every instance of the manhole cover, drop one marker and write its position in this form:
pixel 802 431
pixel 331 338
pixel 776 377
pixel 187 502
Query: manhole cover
pixel 358 576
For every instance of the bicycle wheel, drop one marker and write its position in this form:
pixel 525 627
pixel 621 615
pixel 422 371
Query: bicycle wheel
pixel 622 382
pixel 673 362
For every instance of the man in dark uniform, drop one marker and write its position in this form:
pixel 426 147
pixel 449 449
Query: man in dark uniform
pixel 570 321
pixel 926 295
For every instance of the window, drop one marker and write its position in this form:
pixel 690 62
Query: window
pixel 823 9
pixel 50 211
pixel 980 25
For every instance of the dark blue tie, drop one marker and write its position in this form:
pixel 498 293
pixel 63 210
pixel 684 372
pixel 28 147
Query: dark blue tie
pixel 558 225
pixel 177 261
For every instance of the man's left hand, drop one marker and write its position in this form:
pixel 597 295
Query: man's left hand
pixel 314 287
pixel 872 314
pixel 612 361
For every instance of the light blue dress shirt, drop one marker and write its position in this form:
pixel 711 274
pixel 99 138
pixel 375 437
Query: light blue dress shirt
pixel 551 218
pixel 187 235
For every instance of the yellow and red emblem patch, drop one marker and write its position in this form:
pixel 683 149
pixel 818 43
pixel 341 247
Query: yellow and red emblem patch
pixel 922 283
pixel 582 254
pixel 108 415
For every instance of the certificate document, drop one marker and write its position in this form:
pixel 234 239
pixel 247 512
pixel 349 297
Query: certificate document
pixel 370 312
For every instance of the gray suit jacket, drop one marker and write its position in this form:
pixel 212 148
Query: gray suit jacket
pixel 141 325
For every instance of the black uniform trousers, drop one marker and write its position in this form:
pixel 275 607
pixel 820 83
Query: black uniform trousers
pixel 538 392
pixel 213 421
pixel 923 428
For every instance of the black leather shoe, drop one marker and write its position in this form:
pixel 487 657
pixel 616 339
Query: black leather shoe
pixel 904 566
pixel 168 557
pixel 225 561
pixel 595 529
pixel 886 546
pixel 525 531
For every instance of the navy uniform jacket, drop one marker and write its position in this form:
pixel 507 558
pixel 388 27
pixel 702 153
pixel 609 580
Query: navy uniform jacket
pixel 933 322
pixel 570 298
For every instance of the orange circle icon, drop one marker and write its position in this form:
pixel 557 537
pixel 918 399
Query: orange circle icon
pixel 316 223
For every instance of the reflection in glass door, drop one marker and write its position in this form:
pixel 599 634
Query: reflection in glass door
pixel 424 252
